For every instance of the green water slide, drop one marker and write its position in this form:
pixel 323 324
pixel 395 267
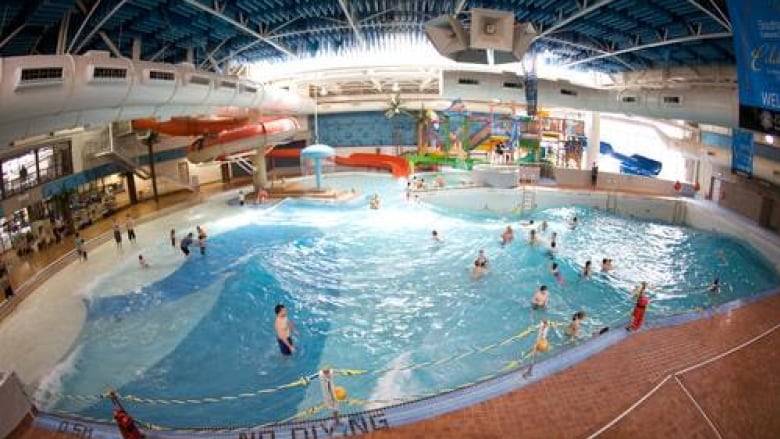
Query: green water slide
pixel 454 162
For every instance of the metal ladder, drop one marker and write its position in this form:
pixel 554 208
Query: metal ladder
pixel 679 213
pixel 611 202
pixel 528 200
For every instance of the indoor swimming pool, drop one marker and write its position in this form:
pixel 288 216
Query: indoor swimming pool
pixel 373 296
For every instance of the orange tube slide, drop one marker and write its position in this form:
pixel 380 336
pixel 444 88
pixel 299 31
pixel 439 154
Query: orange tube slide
pixel 398 166
pixel 190 126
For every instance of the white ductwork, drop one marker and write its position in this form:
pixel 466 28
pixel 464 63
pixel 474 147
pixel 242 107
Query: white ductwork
pixel 46 93
pixel 712 105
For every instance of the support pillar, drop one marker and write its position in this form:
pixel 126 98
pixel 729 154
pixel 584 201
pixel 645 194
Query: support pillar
pixel 260 178
pixel 131 192
pixel 190 55
pixel 136 50
pixel 593 131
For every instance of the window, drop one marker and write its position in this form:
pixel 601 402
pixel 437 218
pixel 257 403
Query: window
pixel 672 100
pixel 200 80
pixel 41 74
pixel 629 99
pixel 568 92
pixel 227 84
pixel 109 73
pixel 35 167
pixel 468 81
pixel 159 75
pixel 248 89
pixel 513 85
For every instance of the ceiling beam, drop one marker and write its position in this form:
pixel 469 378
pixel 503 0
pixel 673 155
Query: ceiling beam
pixel 650 46
pixel 459 8
pixel 110 44
pixel 210 55
pixel 11 35
pixel 709 13
pixel 83 22
pixel 351 21
pixel 589 48
pixel 99 25
pixel 582 12
pixel 244 28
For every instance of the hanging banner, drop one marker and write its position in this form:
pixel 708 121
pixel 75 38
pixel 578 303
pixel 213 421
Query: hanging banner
pixel 742 152
pixel 756 29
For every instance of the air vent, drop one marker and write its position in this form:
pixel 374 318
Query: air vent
pixel 672 100
pixel 41 74
pixel 109 73
pixel 468 81
pixel 200 80
pixel 248 89
pixel 159 75
pixel 513 85
pixel 227 84
pixel 567 92
pixel 629 99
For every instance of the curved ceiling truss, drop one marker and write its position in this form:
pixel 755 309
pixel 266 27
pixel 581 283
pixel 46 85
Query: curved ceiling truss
pixel 605 35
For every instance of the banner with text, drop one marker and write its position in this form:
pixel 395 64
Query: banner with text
pixel 742 152
pixel 756 29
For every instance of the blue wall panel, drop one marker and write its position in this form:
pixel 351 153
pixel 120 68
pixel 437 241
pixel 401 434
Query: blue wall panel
pixel 364 128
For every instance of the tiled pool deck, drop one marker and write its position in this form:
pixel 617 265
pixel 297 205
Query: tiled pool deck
pixel 737 395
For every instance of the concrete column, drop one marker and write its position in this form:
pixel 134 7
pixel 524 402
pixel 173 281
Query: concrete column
pixel 260 179
pixel 136 50
pixel 593 131
pixel 190 55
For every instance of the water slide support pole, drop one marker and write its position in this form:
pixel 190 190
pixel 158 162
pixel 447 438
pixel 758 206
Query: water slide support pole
pixel 593 131
pixel 260 179
pixel 318 171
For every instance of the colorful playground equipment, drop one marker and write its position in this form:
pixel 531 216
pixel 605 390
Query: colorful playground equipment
pixel 635 164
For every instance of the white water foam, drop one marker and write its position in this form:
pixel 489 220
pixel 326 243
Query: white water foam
pixel 47 393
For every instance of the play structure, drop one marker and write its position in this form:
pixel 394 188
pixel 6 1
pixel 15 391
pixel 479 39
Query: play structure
pixel 313 156
pixel 635 164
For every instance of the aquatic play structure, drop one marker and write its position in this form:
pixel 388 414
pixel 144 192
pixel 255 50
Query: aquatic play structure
pixel 317 153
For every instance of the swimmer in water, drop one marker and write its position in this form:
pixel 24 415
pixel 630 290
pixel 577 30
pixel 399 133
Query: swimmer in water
pixel 284 328
pixel 532 237
pixel 142 262
pixel 573 223
pixel 557 274
pixel 606 265
pixel 528 223
pixel 543 227
pixel 553 237
pixel 375 202
pixel 715 286
pixel 480 265
pixel 574 327
pixel 540 298
pixel 508 235
pixel 553 250
pixel 435 236
pixel 587 270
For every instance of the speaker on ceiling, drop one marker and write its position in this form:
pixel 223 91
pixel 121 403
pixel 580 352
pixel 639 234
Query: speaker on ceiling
pixel 523 37
pixel 492 29
pixel 447 35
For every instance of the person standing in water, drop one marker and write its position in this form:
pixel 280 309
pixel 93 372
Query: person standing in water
pixel 185 244
pixel 173 239
pixel 201 239
pixel 284 329
pixel 117 235
pixel 130 226
pixel 639 309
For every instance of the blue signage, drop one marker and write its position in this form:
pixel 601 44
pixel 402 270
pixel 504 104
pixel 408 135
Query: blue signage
pixel 756 29
pixel 742 151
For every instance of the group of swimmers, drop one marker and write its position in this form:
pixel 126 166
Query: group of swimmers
pixel 189 240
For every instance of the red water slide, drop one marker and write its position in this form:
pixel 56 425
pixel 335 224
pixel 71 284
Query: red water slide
pixel 398 166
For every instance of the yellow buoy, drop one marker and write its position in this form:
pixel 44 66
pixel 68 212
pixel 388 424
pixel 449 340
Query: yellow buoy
pixel 542 345
pixel 340 393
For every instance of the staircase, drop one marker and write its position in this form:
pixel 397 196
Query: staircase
pixel 123 146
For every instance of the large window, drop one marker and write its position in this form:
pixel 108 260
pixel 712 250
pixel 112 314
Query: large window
pixel 35 167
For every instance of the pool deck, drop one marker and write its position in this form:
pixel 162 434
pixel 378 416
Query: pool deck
pixel 736 395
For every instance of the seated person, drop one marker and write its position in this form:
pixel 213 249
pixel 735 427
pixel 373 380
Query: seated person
pixel 508 235
pixel 540 298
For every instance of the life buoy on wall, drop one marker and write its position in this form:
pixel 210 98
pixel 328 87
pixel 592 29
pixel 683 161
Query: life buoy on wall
pixel 677 186
pixel 696 187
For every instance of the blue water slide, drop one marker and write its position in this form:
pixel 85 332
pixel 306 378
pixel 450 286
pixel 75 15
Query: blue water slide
pixel 635 164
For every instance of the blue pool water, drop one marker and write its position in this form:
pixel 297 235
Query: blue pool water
pixel 370 291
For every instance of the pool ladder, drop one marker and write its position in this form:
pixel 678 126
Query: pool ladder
pixel 611 202
pixel 679 213
pixel 528 200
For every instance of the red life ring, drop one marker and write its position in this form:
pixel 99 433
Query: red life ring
pixel 696 186
pixel 677 186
